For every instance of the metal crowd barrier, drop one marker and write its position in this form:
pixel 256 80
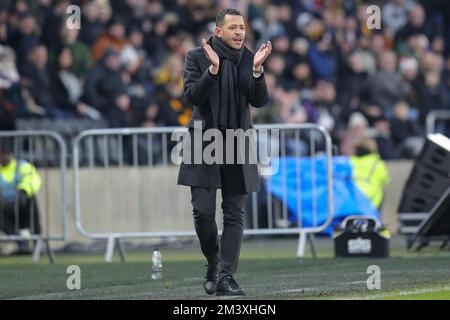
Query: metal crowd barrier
pixel 125 185
pixel 433 117
pixel 47 210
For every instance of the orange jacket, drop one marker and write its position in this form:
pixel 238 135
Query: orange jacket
pixel 104 42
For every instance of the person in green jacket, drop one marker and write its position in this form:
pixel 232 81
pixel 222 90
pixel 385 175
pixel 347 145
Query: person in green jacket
pixel 369 171
pixel 81 54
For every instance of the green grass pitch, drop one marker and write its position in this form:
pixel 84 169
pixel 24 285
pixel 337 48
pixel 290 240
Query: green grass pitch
pixel 268 269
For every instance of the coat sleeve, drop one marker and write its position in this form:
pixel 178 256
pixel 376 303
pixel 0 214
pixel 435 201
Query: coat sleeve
pixel 197 84
pixel 258 95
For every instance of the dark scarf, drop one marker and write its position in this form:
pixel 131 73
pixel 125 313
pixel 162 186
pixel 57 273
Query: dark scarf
pixel 229 96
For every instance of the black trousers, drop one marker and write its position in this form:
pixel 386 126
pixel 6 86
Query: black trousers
pixel 204 209
pixel 20 214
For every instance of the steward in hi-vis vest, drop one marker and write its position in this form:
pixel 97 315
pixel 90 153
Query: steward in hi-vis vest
pixel 19 184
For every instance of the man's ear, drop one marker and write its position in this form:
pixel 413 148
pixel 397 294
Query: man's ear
pixel 218 32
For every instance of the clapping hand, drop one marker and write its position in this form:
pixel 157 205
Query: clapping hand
pixel 261 55
pixel 212 57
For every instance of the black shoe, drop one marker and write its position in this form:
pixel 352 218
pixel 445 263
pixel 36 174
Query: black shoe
pixel 227 286
pixel 211 279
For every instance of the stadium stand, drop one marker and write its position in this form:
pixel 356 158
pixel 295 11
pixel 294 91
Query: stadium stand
pixel 125 64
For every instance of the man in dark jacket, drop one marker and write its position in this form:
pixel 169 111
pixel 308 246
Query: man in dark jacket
pixel 221 79
pixel 104 83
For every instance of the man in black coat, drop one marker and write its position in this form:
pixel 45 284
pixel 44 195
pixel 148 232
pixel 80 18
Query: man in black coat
pixel 221 79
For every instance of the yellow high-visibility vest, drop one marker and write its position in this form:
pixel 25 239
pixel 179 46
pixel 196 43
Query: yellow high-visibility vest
pixel 19 175
pixel 370 174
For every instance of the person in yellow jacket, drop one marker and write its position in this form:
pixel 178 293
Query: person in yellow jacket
pixel 369 171
pixel 19 184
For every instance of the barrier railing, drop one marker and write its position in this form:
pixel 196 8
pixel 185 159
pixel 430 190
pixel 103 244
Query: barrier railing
pixel 125 185
pixel 39 217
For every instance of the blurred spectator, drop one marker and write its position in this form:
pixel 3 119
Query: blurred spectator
pixel 276 65
pixel 323 57
pixel 416 25
pixel 281 44
pixel 446 79
pixel 81 56
pixel 67 89
pixel 386 87
pixel 113 37
pixel 325 105
pixel 40 9
pixel 54 19
pixel 173 108
pixel 24 36
pixel 432 94
pixel 199 14
pixel 415 45
pixel 292 108
pixel 137 77
pixel 321 51
pixel 3 27
pixel 406 135
pixel 431 62
pixel 10 98
pixel 298 63
pixel 92 26
pixel 155 39
pixel 104 85
pixel 132 11
pixel 378 45
pixel 395 14
pixel 301 76
pixel 15 98
pixel 350 89
pixel 409 69
pixel 134 52
pixel 271 113
pixel 37 76
pixel 171 71
pixel 119 112
pixel 356 129
pixel 372 113
pixel 438 45
pixel 148 119
pixel 180 43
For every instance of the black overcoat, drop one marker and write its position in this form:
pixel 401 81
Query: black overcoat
pixel 199 90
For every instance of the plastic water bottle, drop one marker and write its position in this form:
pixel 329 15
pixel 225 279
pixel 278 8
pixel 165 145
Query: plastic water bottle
pixel 156 265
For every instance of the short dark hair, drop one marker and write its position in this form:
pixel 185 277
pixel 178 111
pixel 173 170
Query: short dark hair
pixel 221 16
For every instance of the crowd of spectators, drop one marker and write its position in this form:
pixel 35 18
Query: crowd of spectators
pixel 125 63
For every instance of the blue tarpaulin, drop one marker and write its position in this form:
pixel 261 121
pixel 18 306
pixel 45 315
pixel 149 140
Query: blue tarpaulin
pixel 313 195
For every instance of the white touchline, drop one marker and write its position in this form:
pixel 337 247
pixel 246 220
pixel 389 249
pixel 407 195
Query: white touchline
pixel 375 296
pixel 400 294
